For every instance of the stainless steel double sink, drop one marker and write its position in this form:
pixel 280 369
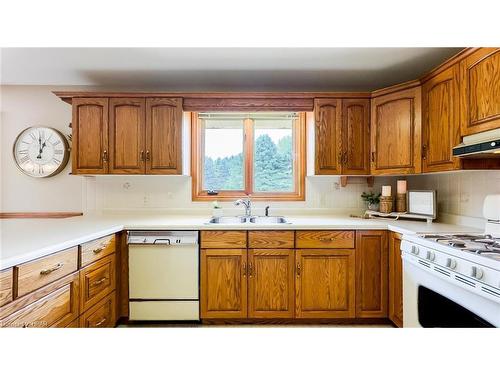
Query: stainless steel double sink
pixel 248 220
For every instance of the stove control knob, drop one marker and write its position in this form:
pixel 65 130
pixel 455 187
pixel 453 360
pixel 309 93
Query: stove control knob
pixel 451 263
pixel 430 256
pixel 477 273
pixel 415 250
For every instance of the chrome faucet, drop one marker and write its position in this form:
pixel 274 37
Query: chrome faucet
pixel 248 205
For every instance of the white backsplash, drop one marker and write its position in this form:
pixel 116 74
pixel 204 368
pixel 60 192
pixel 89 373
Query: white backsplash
pixel 115 193
pixel 459 193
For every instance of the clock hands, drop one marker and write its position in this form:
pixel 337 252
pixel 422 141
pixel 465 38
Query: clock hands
pixel 39 156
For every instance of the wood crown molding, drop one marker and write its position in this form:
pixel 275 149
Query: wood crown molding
pixel 451 61
pixel 38 215
pixel 396 88
pixel 67 96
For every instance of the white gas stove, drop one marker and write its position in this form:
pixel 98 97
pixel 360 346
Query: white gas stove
pixel 453 280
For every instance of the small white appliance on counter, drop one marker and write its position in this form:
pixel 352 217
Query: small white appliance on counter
pixel 453 280
pixel 163 275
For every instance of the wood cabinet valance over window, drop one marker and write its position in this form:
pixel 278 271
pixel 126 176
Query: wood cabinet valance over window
pixel 248 104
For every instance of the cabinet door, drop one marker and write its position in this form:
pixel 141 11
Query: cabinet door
pixel 271 292
pixel 355 136
pixel 440 122
pixel 223 283
pixel 327 113
pixel 325 283
pixel 90 136
pixel 371 274
pixel 480 91
pixel 396 133
pixel 164 136
pixel 395 280
pixel 127 135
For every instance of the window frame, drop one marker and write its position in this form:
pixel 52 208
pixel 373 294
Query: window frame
pixel 299 165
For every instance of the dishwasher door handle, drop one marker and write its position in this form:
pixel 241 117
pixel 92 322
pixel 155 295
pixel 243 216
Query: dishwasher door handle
pixel 159 240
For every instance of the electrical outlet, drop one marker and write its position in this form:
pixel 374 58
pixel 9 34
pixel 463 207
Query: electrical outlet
pixel 146 200
pixel 464 197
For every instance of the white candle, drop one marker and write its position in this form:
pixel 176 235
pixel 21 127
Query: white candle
pixel 386 191
pixel 401 186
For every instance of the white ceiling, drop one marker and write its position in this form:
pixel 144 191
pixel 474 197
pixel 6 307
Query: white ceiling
pixel 244 69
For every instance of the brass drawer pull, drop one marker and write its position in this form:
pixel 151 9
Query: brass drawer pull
pixel 99 249
pixel 298 269
pixel 98 282
pixel 50 270
pixel 100 322
pixel 327 239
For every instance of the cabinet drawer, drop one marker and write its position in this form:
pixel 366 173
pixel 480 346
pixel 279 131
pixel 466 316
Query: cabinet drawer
pixel 97 281
pixel 317 239
pixel 271 239
pixel 40 272
pixel 55 305
pixel 6 281
pixel 220 239
pixel 102 315
pixel 98 249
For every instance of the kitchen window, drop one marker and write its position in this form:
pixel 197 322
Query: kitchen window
pixel 239 154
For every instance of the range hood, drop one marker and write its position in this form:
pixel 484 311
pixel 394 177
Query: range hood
pixel 480 145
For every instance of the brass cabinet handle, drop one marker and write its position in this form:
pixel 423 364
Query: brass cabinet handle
pixel 52 269
pixel 250 269
pixel 100 281
pixel 424 152
pixel 142 155
pixel 99 249
pixel 341 157
pixel 244 267
pixel 373 156
pixel 105 156
pixel 100 322
pixel 147 155
pixel 298 269
pixel 327 239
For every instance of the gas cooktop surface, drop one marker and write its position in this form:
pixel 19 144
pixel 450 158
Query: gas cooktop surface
pixel 480 244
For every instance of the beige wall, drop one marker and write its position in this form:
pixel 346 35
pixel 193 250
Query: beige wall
pixel 22 107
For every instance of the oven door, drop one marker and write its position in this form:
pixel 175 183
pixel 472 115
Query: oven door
pixel 430 300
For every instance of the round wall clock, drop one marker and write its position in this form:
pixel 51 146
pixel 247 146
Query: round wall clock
pixel 41 151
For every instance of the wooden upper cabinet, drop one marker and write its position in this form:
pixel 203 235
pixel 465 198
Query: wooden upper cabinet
pixel 127 128
pixel 396 132
pixel 223 283
pixel 395 280
pixel 164 136
pixel 480 91
pixel 325 283
pixel 327 114
pixel 440 121
pixel 371 274
pixel 356 136
pixel 90 136
pixel 271 283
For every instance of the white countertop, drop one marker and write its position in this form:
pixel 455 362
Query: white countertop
pixel 23 240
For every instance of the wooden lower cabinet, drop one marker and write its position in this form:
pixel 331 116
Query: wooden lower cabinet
pixel 223 283
pixel 395 280
pixel 371 274
pixel 271 283
pixel 102 315
pixel 325 283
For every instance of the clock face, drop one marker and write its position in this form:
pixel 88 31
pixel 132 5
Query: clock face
pixel 41 152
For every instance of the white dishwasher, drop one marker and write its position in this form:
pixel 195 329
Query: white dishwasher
pixel 163 275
